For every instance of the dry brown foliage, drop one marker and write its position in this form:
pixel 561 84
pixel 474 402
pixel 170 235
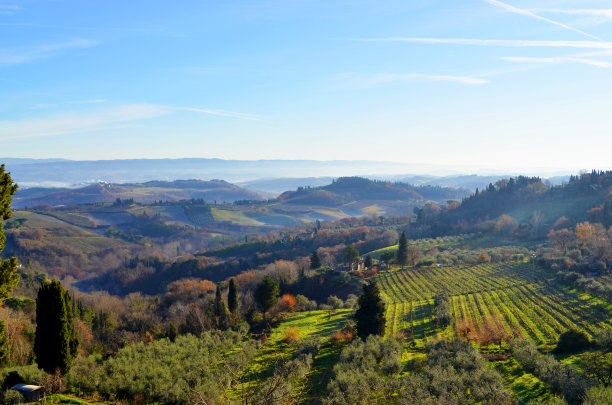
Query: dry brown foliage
pixel 342 336
pixel 291 336
pixel 288 302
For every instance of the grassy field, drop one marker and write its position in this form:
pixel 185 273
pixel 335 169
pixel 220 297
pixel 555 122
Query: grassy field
pixel 426 244
pixel 308 324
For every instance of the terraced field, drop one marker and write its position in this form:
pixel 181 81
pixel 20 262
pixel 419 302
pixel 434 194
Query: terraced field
pixel 523 297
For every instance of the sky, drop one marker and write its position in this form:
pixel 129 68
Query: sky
pixel 470 83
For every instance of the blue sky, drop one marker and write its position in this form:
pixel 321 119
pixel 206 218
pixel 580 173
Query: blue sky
pixel 480 83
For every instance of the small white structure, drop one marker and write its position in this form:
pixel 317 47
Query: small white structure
pixel 31 393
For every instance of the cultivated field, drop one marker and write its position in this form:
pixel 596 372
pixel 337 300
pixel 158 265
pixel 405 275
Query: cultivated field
pixel 525 298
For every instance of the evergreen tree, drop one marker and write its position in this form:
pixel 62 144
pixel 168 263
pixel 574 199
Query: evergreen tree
pixel 55 342
pixel 221 312
pixel 402 250
pixel 315 260
pixel 368 262
pixel 8 268
pixel 370 316
pixel 266 293
pixel 350 254
pixel 232 296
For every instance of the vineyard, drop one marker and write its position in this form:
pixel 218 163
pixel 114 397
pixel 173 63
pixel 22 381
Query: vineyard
pixel 523 297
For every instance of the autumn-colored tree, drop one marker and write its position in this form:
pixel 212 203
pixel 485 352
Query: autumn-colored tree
pixel 466 329
pixel 190 289
pixel 483 258
pixel 587 233
pixel 414 254
pixel 493 332
pixel 561 239
pixel 288 302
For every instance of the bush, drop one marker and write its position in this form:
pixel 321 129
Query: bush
pixel 291 336
pixel 572 341
pixel 304 304
pixel 342 336
pixel 598 395
pixel 10 397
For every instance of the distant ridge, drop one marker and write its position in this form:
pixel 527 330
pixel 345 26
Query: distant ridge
pixel 210 191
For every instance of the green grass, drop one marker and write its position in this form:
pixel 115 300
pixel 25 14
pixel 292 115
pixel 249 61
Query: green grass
pixel 525 387
pixel 73 219
pixel 235 217
pixel 310 324
pixel 426 244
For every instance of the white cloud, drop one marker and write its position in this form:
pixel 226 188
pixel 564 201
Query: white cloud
pixel 382 78
pixel 98 120
pixel 494 42
pixel 18 56
pixel 604 12
pixel 223 113
pixel 559 59
pixel 528 13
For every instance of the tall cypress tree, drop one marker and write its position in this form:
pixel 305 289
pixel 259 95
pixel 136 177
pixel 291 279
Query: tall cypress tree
pixel 315 260
pixel 370 315
pixel 8 268
pixel 55 342
pixel 402 249
pixel 221 312
pixel 232 296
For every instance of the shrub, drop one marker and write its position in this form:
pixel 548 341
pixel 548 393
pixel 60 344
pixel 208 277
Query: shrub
pixel 288 302
pixel 572 341
pixel 291 336
pixel 10 397
pixel 342 336
pixel 304 304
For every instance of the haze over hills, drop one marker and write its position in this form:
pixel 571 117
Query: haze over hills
pixel 268 176
pixel 210 191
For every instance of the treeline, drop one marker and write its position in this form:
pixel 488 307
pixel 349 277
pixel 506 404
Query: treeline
pixel 485 210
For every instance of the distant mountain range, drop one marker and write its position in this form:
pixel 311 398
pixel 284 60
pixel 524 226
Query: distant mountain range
pixel 269 176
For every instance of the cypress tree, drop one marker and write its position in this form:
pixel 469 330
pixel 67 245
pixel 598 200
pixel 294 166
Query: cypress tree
pixel 368 262
pixel 370 315
pixel 402 249
pixel 232 296
pixel 55 342
pixel 315 260
pixel 221 312
pixel 266 293
pixel 8 268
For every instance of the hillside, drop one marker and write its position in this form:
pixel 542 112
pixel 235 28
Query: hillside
pixel 348 189
pixel 209 191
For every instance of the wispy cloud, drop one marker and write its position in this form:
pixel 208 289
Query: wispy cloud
pixel 101 119
pixel 494 42
pixel 383 78
pixel 559 59
pixel 602 12
pixel 8 8
pixel 223 113
pixel 93 101
pixel 23 55
pixel 531 14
